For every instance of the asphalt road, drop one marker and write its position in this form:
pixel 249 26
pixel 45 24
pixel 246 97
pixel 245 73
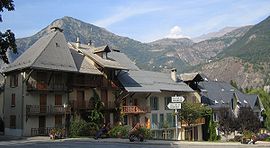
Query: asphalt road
pixel 102 144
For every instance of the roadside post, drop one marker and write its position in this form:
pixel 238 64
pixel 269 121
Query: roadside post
pixel 176 104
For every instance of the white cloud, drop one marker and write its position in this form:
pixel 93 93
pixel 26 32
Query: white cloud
pixel 123 13
pixel 176 32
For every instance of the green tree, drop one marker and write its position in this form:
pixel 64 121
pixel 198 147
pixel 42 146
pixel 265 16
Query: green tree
pixel 7 39
pixel 227 122
pixel 190 112
pixel 265 99
pixel 96 115
pixel 247 120
pixel 212 130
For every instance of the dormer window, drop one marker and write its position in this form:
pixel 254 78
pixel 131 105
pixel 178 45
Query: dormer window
pixel 102 51
pixel 104 56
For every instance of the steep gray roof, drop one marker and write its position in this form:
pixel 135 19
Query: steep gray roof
pixel 49 52
pixel 102 49
pixel 84 64
pixel 190 76
pixel 251 99
pixel 122 59
pixel 148 81
pixel 217 93
pixel 102 62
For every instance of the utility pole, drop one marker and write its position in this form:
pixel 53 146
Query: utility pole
pixel 176 125
pixel 176 104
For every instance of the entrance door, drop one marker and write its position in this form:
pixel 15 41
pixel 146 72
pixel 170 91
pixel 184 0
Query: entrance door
pixel 195 133
pixel 80 99
pixel 43 103
pixel 58 121
pixel 188 134
pixel 42 125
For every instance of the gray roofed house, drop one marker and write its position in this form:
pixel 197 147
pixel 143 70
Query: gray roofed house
pixel 217 94
pixel 148 81
pixel 84 64
pixel 251 99
pixel 50 52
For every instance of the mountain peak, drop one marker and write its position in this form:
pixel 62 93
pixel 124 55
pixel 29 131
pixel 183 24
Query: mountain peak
pixel 211 35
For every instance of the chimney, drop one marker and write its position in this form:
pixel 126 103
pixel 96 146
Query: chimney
pixel 78 42
pixel 90 43
pixel 173 74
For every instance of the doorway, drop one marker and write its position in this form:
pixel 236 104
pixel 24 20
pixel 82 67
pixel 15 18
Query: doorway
pixel 41 125
pixel 80 99
pixel 43 103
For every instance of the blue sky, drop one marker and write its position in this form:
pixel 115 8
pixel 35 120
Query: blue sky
pixel 143 20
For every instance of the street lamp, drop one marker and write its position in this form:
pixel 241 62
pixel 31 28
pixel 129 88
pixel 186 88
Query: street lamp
pixel 65 109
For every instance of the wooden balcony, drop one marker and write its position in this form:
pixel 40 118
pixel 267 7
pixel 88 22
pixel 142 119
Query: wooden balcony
pixel 39 86
pixel 38 110
pixel 77 82
pixel 197 122
pixel 134 110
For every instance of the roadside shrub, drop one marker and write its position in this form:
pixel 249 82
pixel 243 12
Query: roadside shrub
pixel 120 131
pixel 263 137
pixel 91 129
pixel 79 127
pixel 247 134
pixel 146 132
pixel 237 138
pixel 267 139
pixel 218 137
pixel 57 133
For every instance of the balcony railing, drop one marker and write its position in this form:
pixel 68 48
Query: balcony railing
pixel 39 86
pixel 134 110
pixel 197 122
pixel 43 131
pixel 84 83
pixel 46 110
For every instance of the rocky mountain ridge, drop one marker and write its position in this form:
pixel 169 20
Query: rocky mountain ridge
pixel 164 54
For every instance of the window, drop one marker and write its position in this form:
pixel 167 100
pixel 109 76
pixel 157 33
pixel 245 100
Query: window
pixel 14 80
pixel 154 103
pixel 12 123
pixel 170 120
pixel 215 117
pixel 161 120
pixel 154 121
pixel 167 101
pixel 13 100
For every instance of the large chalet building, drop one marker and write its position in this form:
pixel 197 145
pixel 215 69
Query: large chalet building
pixel 55 79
